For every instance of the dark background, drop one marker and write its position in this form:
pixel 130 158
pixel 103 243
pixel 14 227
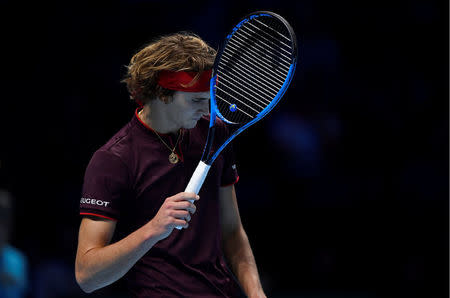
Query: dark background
pixel 344 187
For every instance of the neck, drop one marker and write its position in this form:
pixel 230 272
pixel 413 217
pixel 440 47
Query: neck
pixel 155 119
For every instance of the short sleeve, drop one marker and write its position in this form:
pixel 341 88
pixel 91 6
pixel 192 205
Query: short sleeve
pixel 106 182
pixel 230 174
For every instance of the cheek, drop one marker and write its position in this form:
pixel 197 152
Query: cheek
pixel 190 109
pixel 185 114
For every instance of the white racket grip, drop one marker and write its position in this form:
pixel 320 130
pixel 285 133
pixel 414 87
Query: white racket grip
pixel 197 180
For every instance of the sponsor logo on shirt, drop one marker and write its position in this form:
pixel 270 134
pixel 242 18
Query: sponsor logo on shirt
pixel 94 202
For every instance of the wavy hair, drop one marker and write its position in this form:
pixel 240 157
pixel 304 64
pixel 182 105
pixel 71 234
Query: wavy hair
pixel 183 51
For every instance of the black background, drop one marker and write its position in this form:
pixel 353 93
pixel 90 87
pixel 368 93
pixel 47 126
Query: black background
pixel 343 188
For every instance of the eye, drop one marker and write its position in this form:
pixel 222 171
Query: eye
pixel 199 99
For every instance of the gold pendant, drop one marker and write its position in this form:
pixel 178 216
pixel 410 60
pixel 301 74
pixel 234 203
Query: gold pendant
pixel 173 158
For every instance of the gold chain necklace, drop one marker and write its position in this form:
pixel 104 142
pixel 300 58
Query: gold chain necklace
pixel 173 157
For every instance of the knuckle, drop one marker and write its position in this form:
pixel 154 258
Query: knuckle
pixel 189 195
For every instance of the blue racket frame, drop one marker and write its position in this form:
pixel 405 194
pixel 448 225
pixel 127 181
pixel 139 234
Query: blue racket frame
pixel 213 104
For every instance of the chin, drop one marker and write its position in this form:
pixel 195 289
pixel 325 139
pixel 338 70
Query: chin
pixel 191 124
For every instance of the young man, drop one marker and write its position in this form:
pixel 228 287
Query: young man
pixel 133 189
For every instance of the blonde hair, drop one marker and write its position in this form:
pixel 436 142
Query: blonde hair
pixel 181 51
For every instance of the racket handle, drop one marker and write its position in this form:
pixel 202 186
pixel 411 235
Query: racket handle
pixel 197 180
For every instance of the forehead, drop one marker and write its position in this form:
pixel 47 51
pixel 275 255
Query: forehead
pixel 192 94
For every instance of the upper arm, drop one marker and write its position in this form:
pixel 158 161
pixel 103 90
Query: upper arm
pixel 230 219
pixel 94 233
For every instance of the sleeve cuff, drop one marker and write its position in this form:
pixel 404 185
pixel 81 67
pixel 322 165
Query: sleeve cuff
pixel 233 183
pixel 97 215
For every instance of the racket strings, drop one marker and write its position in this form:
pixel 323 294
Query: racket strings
pixel 256 95
pixel 268 50
pixel 277 28
pixel 253 68
pixel 261 61
pixel 252 35
pixel 270 87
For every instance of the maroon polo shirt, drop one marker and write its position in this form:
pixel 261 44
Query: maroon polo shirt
pixel 129 178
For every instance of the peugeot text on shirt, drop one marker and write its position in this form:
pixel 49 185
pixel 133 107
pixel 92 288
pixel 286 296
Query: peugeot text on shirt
pixel 94 202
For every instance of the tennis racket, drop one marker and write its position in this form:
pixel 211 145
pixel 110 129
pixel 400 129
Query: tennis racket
pixel 251 72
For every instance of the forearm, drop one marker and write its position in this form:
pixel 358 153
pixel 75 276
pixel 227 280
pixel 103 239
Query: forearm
pixel 240 255
pixel 101 266
pixel 99 263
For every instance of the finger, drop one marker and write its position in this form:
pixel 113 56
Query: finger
pixel 186 196
pixel 180 214
pixel 192 208
pixel 179 223
pixel 185 205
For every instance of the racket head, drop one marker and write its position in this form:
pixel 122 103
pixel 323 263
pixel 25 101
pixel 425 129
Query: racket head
pixel 253 68
pixel 252 71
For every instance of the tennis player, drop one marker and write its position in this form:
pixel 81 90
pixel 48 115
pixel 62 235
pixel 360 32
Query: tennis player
pixel 133 197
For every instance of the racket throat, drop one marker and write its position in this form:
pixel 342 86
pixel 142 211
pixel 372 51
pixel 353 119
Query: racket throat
pixel 208 146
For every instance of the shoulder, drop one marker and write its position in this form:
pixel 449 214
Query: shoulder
pixel 115 153
pixel 119 146
pixel 120 141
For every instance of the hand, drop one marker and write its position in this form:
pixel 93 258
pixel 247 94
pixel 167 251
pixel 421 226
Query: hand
pixel 175 211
